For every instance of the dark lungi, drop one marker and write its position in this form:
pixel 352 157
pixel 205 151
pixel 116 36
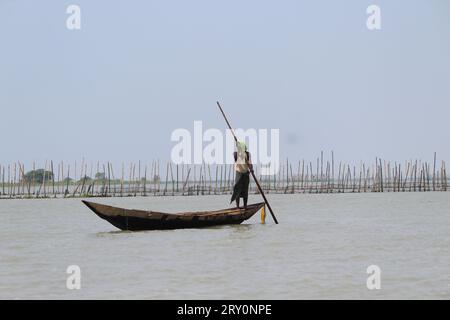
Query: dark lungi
pixel 241 186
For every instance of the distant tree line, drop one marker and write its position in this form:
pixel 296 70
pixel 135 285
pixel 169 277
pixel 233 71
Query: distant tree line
pixel 39 175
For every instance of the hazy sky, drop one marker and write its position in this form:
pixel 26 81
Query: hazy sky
pixel 137 70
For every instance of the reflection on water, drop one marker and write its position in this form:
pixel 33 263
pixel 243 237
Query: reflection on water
pixel 114 232
pixel 236 228
pixel 321 249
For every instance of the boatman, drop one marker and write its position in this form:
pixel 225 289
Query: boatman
pixel 243 167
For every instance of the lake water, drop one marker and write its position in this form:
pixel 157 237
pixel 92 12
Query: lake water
pixel 321 249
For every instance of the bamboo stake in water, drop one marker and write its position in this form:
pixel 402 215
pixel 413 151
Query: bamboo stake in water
pixel 434 172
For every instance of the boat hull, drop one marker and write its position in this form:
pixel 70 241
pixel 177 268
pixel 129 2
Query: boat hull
pixel 138 220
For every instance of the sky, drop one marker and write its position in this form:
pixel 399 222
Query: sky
pixel 117 88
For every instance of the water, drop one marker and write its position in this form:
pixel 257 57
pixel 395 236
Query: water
pixel 321 249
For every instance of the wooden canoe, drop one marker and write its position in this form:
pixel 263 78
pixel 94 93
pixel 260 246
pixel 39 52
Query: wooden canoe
pixel 136 220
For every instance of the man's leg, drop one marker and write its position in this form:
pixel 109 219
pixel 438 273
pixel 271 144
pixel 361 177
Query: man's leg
pixel 237 202
pixel 245 202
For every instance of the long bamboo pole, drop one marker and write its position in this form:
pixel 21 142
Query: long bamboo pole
pixel 253 174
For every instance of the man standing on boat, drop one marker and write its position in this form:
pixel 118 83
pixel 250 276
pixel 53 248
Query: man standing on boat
pixel 243 167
